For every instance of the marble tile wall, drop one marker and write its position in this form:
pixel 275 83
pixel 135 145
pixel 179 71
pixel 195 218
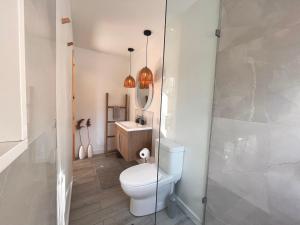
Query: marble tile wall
pixel 254 166
pixel 28 185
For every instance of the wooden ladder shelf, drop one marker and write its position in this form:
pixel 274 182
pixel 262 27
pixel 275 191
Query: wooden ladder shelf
pixel 108 122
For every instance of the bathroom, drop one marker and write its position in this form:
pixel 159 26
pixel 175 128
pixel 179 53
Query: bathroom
pixel 110 46
pixel 129 118
pixel 136 112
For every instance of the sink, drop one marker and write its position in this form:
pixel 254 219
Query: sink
pixel 132 126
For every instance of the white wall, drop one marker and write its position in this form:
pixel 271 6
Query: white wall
pixel 64 35
pixel 188 92
pixel 96 74
pixel 155 60
pixel 12 71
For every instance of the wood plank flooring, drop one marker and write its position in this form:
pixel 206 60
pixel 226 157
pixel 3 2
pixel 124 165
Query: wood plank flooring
pixel 97 197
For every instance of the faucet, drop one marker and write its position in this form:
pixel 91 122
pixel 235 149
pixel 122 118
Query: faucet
pixel 140 120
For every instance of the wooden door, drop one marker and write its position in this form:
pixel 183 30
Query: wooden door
pixel 118 140
pixel 123 143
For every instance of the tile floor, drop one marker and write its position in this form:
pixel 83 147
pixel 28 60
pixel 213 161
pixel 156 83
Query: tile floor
pixel 97 197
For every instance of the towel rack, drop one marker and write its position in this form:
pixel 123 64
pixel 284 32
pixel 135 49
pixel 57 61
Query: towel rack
pixel 126 118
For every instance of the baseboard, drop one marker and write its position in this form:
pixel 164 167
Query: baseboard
pixel 188 211
pixel 68 206
pixel 97 152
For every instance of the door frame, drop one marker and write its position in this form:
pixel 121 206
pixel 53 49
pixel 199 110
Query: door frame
pixel 73 107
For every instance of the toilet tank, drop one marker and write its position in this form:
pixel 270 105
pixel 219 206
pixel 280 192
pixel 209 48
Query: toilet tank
pixel 170 157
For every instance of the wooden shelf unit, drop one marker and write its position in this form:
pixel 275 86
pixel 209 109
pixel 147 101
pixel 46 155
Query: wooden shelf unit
pixel 107 121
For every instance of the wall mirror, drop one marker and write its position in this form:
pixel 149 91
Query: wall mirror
pixel 144 95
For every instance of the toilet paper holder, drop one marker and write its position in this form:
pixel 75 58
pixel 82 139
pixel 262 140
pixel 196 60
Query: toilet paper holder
pixel 145 154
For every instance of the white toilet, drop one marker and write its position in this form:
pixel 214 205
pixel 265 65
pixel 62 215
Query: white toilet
pixel 140 182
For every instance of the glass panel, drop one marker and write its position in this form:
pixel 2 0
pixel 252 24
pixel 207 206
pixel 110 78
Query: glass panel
pixel 188 80
pixel 254 153
pixel 28 185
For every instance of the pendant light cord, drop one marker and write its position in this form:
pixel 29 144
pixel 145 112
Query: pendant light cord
pixel 130 65
pixel 147 52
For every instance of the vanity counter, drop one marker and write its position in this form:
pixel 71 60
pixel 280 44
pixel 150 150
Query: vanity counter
pixel 132 126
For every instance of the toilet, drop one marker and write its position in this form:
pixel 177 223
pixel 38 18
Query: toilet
pixel 140 182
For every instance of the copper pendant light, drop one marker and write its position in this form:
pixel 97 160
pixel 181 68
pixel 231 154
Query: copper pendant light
pixel 143 85
pixel 129 81
pixel 145 74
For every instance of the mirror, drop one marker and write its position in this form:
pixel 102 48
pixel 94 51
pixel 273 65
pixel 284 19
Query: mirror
pixel 144 96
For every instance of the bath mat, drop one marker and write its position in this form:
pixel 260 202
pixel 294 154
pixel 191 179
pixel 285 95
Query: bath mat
pixel 109 177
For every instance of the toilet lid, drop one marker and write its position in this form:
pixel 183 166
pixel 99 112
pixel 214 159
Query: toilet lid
pixel 140 175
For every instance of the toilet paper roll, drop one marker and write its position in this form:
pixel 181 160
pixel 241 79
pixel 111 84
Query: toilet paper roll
pixel 145 153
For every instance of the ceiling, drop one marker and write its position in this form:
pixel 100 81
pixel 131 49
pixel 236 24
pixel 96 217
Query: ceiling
pixel 111 26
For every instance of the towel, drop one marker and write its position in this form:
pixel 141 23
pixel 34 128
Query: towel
pixel 116 113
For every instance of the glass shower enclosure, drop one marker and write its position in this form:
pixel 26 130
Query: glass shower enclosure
pixel 238 125
pixel 186 106
pixel 254 153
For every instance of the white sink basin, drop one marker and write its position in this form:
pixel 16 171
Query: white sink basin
pixel 132 126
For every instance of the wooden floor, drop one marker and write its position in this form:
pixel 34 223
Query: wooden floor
pixel 97 197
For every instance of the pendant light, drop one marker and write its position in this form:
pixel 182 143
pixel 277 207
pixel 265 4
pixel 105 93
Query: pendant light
pixel 145 74
pixel 129 81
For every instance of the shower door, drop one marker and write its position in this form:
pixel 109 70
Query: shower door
pixel 254 169
pixel 187 93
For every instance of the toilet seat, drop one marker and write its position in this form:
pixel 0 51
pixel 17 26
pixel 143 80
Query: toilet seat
pixel 140 175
